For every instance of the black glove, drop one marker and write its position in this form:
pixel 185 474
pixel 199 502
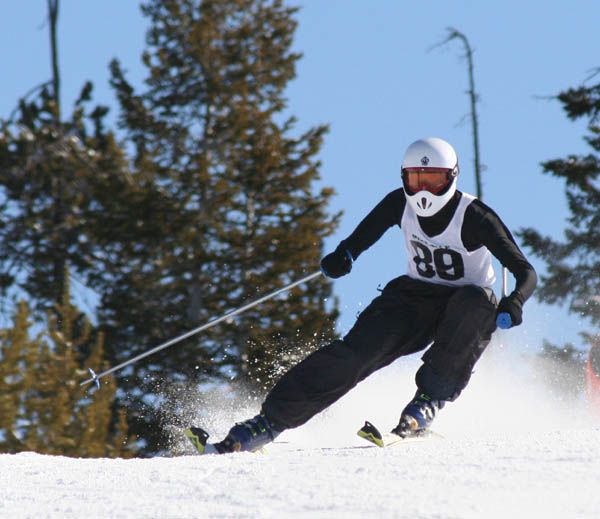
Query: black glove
pixel 513 306
pixel 338 263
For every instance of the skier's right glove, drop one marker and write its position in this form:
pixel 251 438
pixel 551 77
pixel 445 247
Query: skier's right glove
pixel 338 263
pixel 510 311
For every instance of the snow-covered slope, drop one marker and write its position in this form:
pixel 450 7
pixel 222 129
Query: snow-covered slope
pixel 555 474
pixel 510 450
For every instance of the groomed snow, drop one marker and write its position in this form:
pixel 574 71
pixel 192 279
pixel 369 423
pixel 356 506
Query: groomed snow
pixel 511 449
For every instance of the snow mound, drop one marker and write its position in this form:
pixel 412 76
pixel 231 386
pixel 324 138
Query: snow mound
pixel 511 448
pixel 552 474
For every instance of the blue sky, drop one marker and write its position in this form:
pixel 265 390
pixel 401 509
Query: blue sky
pixel 369 71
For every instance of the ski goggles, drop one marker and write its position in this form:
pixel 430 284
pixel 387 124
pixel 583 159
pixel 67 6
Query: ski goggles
pixel 433 180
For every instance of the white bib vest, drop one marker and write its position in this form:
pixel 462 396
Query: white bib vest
pixel 443 259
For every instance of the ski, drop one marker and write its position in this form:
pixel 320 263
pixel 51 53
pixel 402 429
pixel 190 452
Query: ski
pixel 370 433
pixel 199 439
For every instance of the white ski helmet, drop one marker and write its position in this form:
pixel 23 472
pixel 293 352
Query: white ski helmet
pixel 429 171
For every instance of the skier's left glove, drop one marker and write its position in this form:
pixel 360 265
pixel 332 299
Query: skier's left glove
pixel 510 311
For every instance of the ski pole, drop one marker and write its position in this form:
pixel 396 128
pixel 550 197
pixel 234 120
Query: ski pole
pixel 504 281
pixel 504 320
pixel 95 378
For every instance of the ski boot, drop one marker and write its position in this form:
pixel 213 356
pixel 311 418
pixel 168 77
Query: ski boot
pixel 417 416
pixel 248 436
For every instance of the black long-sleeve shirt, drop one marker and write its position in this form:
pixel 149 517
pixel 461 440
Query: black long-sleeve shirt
pixel 482 227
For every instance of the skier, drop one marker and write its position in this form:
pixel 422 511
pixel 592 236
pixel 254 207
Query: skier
pixel 445 301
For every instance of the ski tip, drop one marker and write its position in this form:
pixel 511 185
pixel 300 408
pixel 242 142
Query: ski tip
pixel 370 433
pixel 198 437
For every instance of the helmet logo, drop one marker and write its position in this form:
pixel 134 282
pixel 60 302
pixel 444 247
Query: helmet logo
pixel 425 161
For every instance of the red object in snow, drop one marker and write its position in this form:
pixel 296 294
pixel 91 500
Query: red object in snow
pixel 592 379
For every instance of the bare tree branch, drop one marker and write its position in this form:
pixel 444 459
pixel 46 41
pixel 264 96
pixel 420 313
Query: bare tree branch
pixel 454 34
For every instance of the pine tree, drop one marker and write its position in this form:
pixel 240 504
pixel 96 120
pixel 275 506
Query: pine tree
pixel 43 408
pixel 61 178
pixel 17 351
pixel 573 264
pixel 47 171
pixel 211 130
pixel 69 203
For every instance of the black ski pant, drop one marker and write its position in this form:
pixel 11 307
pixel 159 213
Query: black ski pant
pixel 407 317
